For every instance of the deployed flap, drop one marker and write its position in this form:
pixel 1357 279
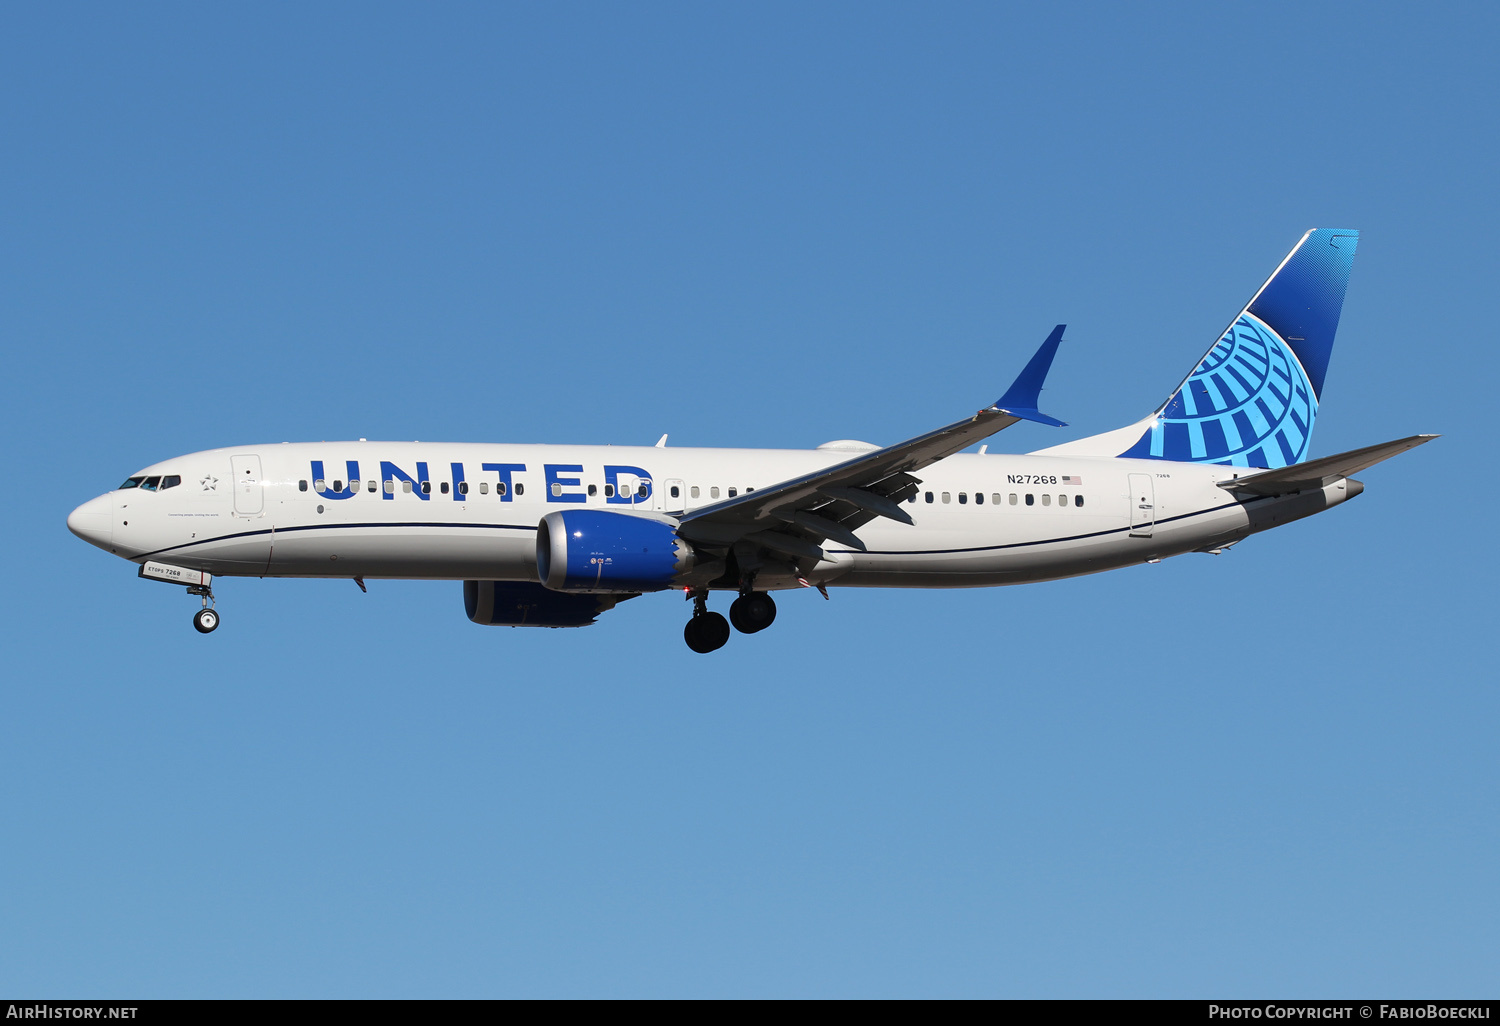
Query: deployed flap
pixel 850 494
pixel 1317 473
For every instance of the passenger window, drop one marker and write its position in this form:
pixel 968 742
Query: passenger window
pixel 484 488
pixel 676 492
pixel 693 491
pixel 609 491
pixel 556 489
pixel 713 492
pixel 499 487
pixel 749 490
pixel 995 499
pixel 1012 498
pixel 963 498
pixel 913 497
pixel 928 496
pixel 338 486
pixel 979 498
pixel 406 487
pixel 1062 500
pixel 520 488
pixel 1030 499
pixel 426 487
pixel 354 486
pixel 1078 500
pixel 320 484
pixel 947 497
pixel 593 489
pixel 170 481
pixel 463 488
pixel 301 486
pixel 732 492
pixel 390 487
pixel 1046 499
pixel 372 484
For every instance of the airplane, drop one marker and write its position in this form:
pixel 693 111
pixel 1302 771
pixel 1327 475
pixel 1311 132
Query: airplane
pixel 555 535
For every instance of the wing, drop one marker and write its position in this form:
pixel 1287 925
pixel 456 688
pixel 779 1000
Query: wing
pixel 795 517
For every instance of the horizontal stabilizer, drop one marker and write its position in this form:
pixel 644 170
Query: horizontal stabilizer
pixel 1317 473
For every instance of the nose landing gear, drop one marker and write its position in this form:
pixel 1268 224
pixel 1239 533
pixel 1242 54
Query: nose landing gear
pixel 706 631
pixel 205 620
pixel 199 582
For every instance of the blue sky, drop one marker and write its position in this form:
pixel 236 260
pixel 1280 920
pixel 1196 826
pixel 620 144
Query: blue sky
pixel 1267 773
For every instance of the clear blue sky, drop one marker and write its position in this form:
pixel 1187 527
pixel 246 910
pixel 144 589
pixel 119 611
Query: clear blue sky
pixel 1268 773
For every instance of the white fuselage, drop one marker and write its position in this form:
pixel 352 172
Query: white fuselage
pixel 264 511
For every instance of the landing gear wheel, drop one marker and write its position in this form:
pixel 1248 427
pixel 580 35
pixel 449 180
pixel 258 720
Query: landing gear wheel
pixel 205 620
pixel 706 632
pixel 751 612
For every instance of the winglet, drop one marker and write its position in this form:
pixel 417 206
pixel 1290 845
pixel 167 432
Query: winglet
pixel 1020 400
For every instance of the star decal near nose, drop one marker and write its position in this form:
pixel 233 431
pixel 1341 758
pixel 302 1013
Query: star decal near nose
pixel 209 483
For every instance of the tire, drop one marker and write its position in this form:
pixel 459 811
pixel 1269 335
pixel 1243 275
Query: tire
pixel 205 621
pixel 753 612
pixel 706 633
pixel 693 635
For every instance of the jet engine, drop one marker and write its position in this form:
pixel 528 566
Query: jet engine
pixel 590 551
pixel 527 604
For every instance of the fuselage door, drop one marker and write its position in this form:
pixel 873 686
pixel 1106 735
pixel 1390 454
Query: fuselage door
pixel 673 496
pixel 1142 505
pixel 249 495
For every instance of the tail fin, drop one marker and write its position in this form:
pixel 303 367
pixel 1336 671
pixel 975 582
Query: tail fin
pixel 1252 399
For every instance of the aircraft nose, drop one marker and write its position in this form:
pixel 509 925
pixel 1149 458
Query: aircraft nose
pixel 94 521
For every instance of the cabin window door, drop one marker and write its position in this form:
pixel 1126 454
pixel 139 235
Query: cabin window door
pixel 673 496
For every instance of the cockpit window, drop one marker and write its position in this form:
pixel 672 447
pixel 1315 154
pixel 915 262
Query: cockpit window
pixel 130 482
pixel 171 481
pixel 150 484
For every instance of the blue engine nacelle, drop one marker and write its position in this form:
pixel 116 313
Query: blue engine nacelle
pixel 526 604
pixel 586 550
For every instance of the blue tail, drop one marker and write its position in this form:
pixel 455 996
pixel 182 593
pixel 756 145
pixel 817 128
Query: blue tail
pixel 1252 400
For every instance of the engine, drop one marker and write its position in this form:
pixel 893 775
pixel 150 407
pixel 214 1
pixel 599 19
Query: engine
pixel 526 604
pixel 587 550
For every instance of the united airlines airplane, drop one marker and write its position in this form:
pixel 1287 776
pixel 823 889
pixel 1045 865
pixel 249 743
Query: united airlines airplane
pixel 554 535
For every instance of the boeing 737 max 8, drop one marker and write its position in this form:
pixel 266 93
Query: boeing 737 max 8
pixel 554 535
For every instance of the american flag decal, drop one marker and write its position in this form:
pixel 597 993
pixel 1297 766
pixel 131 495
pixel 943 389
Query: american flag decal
pixel 1076 482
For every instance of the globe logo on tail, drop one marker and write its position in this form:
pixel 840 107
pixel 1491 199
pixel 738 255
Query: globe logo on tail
pixel 1248 404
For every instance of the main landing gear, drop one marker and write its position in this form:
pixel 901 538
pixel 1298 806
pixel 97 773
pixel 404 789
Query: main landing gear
pixel 206 619
pixel 706 631
pixel 753 611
